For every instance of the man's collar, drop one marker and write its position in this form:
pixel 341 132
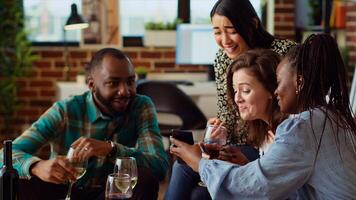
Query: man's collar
pixel 93 112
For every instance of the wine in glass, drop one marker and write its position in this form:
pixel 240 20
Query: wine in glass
pixel 79 165
pixel 127 165
pixel 118 186
pixel 215 135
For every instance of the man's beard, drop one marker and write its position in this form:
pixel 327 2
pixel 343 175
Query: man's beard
pixel 107 103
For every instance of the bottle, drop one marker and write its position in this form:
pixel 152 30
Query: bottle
pixel 9 177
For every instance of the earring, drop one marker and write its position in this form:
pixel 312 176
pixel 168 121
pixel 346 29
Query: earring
pixel 296 91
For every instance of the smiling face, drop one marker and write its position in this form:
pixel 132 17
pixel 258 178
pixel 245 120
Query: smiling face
pixel 251 97
pixel 227 38
pixel 287 86
pixel 113 85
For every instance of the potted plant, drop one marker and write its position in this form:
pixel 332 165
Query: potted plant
pixel 161 34
pixel 16 58
pixel 141 72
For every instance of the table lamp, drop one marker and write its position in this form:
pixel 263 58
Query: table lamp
pixel 74 22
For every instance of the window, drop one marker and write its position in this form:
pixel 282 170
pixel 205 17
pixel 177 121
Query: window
pixel 44 19
pixel 200 10
pixel 135 13
pixel 257 4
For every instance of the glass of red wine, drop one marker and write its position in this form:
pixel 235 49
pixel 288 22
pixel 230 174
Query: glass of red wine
pixel 215 136
pixel 214 139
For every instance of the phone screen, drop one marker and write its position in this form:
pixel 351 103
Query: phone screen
pixel 183 135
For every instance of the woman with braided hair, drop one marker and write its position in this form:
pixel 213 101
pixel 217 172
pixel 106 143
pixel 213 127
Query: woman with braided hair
pixel 314 152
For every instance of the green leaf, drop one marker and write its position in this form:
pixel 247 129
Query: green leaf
pixel 15 57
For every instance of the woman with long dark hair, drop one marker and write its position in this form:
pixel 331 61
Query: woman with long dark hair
pixel 314 152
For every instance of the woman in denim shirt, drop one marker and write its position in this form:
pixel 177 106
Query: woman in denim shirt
pixel 314 152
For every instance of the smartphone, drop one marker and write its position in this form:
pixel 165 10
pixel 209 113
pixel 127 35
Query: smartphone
pixel 184 136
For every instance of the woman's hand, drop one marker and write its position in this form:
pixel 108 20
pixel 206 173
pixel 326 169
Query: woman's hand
pixel 233 154
pixel 217 129
pixel 214 121
pixel 210 151
pixel 191 154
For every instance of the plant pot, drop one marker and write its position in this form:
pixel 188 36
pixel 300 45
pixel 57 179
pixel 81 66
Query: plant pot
pixel 160 38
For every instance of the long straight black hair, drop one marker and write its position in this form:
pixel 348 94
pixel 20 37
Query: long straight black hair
pixel 245 20
pixel 319 62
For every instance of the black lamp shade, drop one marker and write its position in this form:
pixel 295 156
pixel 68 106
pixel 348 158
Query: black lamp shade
pixel 75 21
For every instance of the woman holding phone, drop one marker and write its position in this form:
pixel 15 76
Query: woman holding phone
pixel 315 145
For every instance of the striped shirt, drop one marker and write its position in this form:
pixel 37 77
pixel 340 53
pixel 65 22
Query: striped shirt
pixel 135 134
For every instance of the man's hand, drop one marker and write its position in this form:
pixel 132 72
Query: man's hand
pixel 233 154
pixel 57 170
pixel 191 154
pixel 88 147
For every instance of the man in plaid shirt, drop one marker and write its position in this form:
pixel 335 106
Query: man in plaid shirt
pixel 108 121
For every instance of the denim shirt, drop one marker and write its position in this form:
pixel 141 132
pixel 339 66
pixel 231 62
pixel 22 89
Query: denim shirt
pixel 293 167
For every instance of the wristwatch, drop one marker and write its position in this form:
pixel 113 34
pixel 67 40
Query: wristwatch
pixel 112 153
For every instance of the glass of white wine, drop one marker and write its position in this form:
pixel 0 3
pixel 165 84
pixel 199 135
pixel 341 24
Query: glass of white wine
pixel 118 186
pixel 79 165
pixel 127 165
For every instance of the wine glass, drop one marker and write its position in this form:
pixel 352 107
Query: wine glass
pixel 215 135
pixel 79 165
pixel 127 165
pixel 118 186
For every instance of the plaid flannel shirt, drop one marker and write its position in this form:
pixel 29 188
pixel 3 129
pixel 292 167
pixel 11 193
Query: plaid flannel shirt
pixel 135 133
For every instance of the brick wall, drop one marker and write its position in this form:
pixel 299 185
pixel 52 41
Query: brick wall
pixel 351 31
pixel 38 90
pixel 284 19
